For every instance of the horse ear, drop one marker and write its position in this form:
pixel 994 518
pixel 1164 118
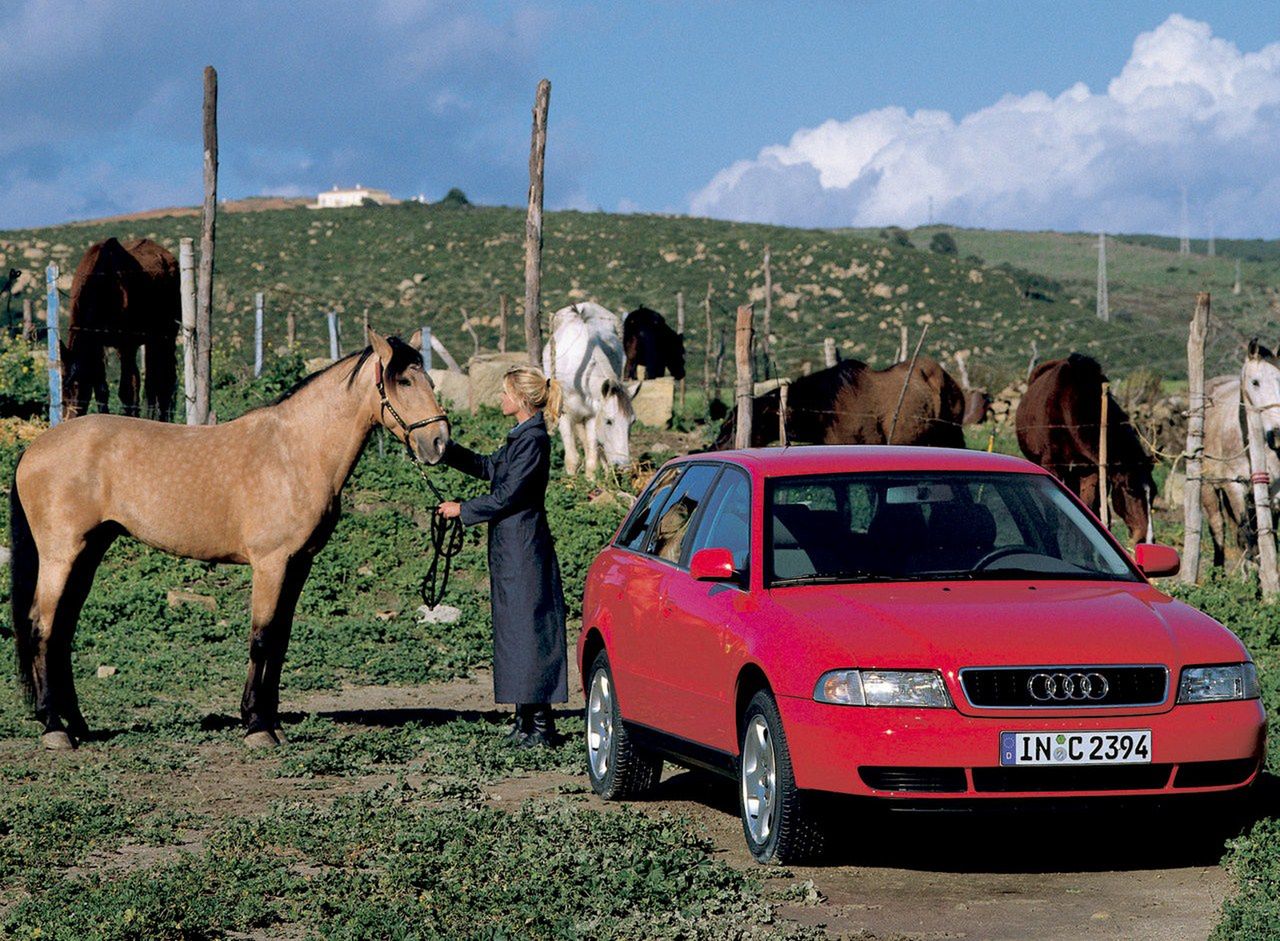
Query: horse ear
pixel 381 348
pixel 416 340
pixel 1253 348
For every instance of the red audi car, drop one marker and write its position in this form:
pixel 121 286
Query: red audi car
pixel 898 623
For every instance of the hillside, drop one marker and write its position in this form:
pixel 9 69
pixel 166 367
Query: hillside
pixel 410 265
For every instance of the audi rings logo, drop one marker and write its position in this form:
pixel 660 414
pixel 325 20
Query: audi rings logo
pixel 1067 687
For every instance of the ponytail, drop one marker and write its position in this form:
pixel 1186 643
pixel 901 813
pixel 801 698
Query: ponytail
pixel 531 384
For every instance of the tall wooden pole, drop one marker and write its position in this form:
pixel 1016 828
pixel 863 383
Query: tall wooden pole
pixel 204 298
pixel 1104 506
pixel 54 345
pixel 680 331
pixel 533 227
pixel 783 386
pixel 187 288
pixel 829 352
pixel 768 305
pixel 742 357
pixel 291 329
pixel 911 368
pixel 257 334
pixel 706 351
pixel 1191 509
pixel 1261 481
pixel 503 302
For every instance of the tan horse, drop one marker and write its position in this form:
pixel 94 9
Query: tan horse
pixel 262 490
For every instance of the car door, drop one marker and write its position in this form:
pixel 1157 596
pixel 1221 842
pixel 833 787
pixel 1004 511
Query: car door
pixel 660 704
pixel 695 616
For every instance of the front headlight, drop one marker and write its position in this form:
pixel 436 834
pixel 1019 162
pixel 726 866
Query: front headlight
pixel 913 688
pixel 1218 684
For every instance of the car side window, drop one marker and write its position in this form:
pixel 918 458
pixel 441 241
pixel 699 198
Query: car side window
pixel 637 524
pixel 726 522
pixel 667 539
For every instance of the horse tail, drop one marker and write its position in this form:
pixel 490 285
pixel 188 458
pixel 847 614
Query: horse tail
pixel 24 568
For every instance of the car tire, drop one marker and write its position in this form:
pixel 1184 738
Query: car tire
pixel 617 768
pixel 781 823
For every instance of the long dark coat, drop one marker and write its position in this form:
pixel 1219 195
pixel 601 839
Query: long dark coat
pixel 529 662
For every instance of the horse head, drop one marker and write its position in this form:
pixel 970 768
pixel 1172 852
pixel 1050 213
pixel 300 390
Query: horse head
pixel 407 405
pixel 1133 493
pixel 84 369
pixel 613 420
pixel 1260 390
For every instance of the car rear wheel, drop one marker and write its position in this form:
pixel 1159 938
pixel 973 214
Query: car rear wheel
pixel 616 767
pixel 780 822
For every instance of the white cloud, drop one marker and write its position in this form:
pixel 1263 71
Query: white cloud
pixel 1187 108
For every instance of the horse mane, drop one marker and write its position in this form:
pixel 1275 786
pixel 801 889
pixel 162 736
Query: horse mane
pixel 402 356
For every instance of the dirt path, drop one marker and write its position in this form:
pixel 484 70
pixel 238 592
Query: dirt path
pixel 1005 878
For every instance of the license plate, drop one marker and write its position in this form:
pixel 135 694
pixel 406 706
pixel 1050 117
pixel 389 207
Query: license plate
pixel 1113 747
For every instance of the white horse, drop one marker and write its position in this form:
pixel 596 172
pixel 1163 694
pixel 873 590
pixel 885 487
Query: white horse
pixel 1226 471
pixel 587 340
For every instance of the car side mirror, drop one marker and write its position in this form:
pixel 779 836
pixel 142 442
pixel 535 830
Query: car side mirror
pixel 1156 560
pixel 712 565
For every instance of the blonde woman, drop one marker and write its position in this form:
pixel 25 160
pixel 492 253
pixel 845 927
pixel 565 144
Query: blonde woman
pixel 530 668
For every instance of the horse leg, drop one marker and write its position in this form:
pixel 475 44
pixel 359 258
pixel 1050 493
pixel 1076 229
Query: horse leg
pixel 129 380
pixel 256 708
pixel 1089 491
pixel 570 448
pixel 590 447
pixel 51 659
pixel 1215 516
pixel 161 379
pixel 295 577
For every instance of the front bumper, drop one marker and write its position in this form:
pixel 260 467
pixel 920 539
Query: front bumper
pixel 940 754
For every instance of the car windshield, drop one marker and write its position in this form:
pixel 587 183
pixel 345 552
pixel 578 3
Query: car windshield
pixel 918 526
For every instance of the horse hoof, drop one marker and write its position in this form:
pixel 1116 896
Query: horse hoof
pixel 280 736
pixel 57 741
pixel 261 739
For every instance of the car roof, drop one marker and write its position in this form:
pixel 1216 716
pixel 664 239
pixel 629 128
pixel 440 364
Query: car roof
pixel 850 458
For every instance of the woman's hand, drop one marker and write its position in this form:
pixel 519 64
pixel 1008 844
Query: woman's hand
pixel 449 509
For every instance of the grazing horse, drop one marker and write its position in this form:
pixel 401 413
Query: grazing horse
pixel 123 296
pixel 1059 425
pixel 263 490
pixel 650 343
pixel 1226 469
pixel 588 365
pixel 850 403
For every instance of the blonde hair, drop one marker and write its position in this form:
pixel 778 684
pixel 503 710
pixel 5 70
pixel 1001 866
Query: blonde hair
pixel 531 384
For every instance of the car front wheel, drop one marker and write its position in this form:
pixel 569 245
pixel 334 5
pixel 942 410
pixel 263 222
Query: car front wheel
pixel 616 767
pixel 779 821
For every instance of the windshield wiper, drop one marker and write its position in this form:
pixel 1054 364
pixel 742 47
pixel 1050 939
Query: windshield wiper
pixel 831 578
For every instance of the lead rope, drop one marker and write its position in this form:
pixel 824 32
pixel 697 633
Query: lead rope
pixel 446 542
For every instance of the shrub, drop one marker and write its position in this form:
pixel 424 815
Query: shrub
pixel 454 198
pixel 943 244
pixel 24 382
pixel 896 235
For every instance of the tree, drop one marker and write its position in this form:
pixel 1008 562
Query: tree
pixel 455 197
pixel 943 244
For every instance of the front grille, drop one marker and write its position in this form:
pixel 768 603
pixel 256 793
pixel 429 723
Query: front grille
pixel 1011 687
pixel 1214 773
pixel 934 780
pixel 1096 778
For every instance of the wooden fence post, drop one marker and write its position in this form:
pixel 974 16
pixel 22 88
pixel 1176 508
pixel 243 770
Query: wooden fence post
pixel 1031 363
pixel 680 331
pixel 720 344
pixel 334 350
pixel 911 368
pixel 466 325
pixel 533 227
pixel 1104 507
pixel 706 350
pixel 291 329
pixel 1191 509
pixel 204 300
pixel 257 334
pixel 829 352
pixel 902 343
pixel 187 288
pixel 1261 481
pixel 28 324
pixel 782 411
pixel 742 358
pixel 768 305
pixel 54 346
pixel 502 322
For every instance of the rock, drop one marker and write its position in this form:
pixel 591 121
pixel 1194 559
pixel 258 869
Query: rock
pixel 175 598
pixel 440 614
pixel 653 401
pixel 106 671
pixel 453 389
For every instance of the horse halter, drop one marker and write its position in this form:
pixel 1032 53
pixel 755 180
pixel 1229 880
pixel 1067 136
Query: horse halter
pixel 405 426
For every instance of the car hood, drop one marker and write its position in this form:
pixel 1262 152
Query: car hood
pixel 953 625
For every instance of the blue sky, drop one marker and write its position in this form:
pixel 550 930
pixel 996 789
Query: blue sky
pixel 1028 115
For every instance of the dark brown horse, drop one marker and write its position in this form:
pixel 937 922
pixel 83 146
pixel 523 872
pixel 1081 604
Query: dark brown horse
pixel 850 403
pixel 1059 427
pixel 650 342
pixel 123 296
pixel 268 487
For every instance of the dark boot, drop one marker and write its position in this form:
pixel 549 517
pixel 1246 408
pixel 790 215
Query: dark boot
pixel 542 728
pixel 520 726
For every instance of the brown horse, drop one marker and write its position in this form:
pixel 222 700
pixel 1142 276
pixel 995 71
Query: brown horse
pixel 123 296
pixel 850 403
pixel 1059 426
pixel 269 485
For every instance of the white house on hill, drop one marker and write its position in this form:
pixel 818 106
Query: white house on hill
pixel 339 198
